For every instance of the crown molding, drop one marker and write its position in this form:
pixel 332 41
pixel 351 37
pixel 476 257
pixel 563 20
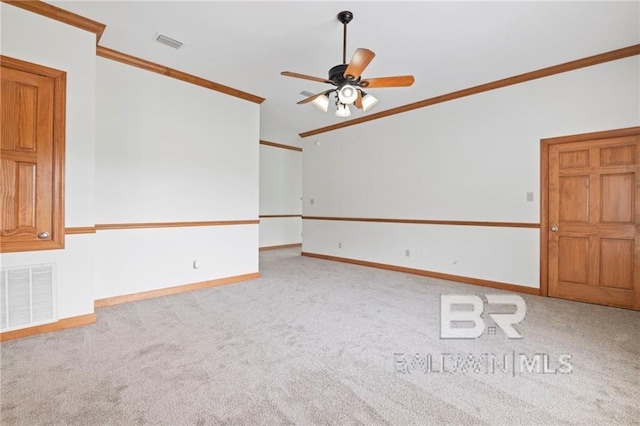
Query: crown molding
pixel 134 61
pixel 61 15
pixel 280 145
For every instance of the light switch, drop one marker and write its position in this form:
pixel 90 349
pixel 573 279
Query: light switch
pixel 529 196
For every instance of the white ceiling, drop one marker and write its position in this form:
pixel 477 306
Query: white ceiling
pixel 447 46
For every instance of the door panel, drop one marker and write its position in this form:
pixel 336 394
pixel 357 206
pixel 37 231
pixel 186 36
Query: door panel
pixel 574 199
pixel 617 197
pixel 574 254
pixel 593 244
pixel 26 195
pixel 618 155
pixel 19 122
pixel 616 263
pixel 573 159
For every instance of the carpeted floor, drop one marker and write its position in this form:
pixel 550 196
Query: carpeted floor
pixel 319 342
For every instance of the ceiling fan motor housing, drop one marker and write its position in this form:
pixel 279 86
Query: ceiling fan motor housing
pixel 336 74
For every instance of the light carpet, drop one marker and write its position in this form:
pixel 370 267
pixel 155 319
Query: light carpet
pixel 320 342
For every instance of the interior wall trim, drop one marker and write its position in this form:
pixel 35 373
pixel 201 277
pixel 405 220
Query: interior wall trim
pixel 431 274
pixel 428 222
pixel 280 145
pixel 282 246
pixel 125 58
pixel 47 328
pixel 61 15
pixel 127 298
pixel 80 230
pixel 273 216
pixel 520 78
pixel 114 226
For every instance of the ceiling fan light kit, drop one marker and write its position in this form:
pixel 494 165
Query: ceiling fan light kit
pixel 347 79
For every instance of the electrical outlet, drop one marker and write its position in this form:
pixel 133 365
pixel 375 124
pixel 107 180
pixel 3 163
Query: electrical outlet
pixel 312 201
pixel 339 245
pixel 407 253
pixel 529 196
pixel 196 264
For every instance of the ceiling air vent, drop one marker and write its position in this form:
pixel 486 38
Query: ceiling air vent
pixel 168 41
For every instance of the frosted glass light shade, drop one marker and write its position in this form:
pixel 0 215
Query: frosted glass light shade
pixel 343 111
pixel 321 102
pixel 347 94
pixel 368 101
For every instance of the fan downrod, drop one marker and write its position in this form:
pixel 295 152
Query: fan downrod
pixel 345 17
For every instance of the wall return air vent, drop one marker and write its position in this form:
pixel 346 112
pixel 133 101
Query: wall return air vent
pixel 168 41
pixel 27 296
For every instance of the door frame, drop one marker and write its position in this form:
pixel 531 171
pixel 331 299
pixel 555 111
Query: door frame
pixel 58 160
pixel 545 144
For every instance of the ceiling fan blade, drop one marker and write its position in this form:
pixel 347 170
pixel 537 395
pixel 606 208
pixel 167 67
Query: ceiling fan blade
pixel 305 77
pixel 310 98
pixel 358 63
pixel 358 102
pixel 397 81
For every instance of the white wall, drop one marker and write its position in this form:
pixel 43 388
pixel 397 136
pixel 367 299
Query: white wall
pixel 169 151
pixel 277 127
pixel 136 260
pixel 43 41
pixel 278 231
pixel 472 159
pixel 280 194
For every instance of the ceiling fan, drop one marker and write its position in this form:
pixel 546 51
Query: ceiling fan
pixel 348 81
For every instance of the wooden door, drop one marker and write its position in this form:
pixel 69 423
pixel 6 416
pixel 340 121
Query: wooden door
pixel 31 157
pixel 593 221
